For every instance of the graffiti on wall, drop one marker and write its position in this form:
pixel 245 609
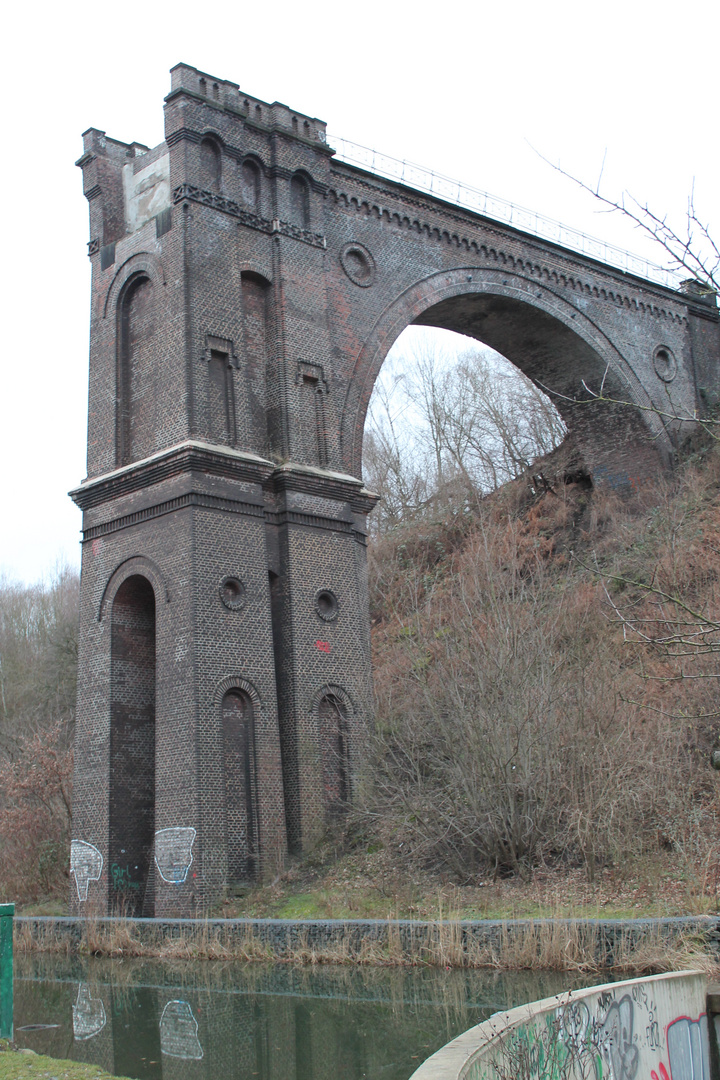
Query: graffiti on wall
pixel 122 879
pixel 86 863
pixel 687 1042
pixel 605 1039
pixel 173 853
pixel 88 1014
pixel 179 1032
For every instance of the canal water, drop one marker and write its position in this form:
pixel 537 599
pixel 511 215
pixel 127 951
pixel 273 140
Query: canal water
pixel 231 1021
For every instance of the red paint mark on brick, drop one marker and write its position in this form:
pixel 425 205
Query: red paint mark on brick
pixel 323 646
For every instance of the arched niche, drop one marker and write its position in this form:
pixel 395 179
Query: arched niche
pixel 300 200
pixel 136 361
pixel 332 711
pixel 210 165
pixel 251 185
pixel 238 706
pixel 132 746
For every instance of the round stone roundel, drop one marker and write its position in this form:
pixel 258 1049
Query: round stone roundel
pixel 232 592
pixel 326 604
pixel 664 363
pixel 358 264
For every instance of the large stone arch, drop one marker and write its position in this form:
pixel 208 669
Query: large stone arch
pixel 547 337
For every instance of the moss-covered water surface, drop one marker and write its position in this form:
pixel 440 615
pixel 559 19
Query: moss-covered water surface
pixel 217 1021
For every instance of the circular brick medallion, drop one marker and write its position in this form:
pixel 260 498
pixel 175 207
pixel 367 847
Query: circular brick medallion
pixel 232 592
pixel 326 604
pixel 664 363
pixel 358 264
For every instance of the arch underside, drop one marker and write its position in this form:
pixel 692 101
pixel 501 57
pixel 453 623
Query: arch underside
pixel 614 443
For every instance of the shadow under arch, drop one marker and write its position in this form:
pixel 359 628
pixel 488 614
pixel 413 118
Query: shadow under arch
pixel 332 710
pixel 549 339
pixel 136 565
pixel 237 703
pixel 133 697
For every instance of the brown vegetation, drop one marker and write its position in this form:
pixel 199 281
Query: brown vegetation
pixel 38 666
pixel 518 723
pixel 526 736
pixel 552 945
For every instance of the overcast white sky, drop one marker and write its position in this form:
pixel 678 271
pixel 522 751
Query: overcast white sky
pixel 465 87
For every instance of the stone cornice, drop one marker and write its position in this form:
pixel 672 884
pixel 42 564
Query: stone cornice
pixel 186 457
pixel 495 253
pixel 169 506
pixel 190 193
pixel 223 461
pixel 205 501
pixel 325 483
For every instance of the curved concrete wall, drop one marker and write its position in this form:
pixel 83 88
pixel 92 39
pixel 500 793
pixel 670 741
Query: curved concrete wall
pixel 650 1029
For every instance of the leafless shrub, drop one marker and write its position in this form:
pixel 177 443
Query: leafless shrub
pixel 38 656
pixel 510 731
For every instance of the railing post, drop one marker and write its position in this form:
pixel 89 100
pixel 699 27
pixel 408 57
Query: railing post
pixel 7 911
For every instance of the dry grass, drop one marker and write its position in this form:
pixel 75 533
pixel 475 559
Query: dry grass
pixel 547 945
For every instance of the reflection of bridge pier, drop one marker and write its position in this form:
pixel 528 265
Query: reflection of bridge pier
pixel 251 1022
pixel 135 1032
pixel 92 1026
pixel 252 1038
pixel 155 1034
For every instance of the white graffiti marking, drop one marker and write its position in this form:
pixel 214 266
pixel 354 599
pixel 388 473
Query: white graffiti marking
pixel 86 864
pixel 173 853
pixel 88 1014
pixel 179 1032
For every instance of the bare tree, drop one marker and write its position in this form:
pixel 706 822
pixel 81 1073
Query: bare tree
pixel 692 249
pixel 665 614
pixel 38 656
pixel 447 426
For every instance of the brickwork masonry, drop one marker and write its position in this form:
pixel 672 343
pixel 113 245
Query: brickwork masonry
pixel 246 288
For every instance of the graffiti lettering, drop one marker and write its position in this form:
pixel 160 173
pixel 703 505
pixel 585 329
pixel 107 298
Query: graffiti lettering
pixel 122 879
pixel 687 1042
pixel 616 1040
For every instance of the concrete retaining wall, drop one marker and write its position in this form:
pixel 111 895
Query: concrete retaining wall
pixel 653 1028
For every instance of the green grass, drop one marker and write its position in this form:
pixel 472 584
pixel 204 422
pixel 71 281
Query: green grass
pixel 20 1065
pixel 367 884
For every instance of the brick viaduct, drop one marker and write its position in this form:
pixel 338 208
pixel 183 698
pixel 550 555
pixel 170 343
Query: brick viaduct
pixel 246 287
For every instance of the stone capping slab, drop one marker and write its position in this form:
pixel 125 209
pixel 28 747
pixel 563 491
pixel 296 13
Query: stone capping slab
pixel 463 1059
pixel 221 461
pixel 184 457
pixel 284 934
pixel 312 480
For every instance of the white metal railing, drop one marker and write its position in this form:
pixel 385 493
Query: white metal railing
pixel 454 191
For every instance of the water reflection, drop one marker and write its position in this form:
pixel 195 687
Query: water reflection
pixel 215 1021
pixel 88 1014
pixel 179 1032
